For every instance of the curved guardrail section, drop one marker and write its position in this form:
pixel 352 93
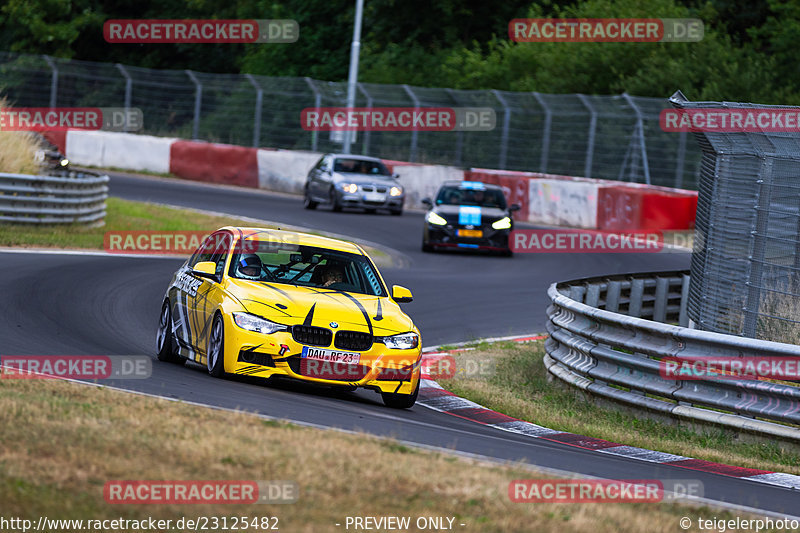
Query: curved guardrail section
pixel 72 197
pixel 608 335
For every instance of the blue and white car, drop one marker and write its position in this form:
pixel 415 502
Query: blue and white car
pixel 468 215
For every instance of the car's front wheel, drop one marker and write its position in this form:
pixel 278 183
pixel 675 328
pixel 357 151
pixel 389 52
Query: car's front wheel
pixel 308 203
pixel 334 200
pixel 165 343
pixel 400 401
pixel 215 358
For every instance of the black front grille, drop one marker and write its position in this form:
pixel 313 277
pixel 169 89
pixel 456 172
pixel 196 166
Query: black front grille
pixel 312 335
pixel 353 340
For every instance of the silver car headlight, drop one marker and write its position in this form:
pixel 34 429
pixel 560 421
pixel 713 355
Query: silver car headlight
pixel 349 187
pixel 403 341
pixel 395 191
pixel 257 324
pixel 503 223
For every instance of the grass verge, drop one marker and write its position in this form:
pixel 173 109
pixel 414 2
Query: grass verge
pixel 61 442
pixel 125 215
pixel 516 384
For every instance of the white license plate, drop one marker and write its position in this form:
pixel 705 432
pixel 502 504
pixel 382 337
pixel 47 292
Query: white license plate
pixel 374 197
pixel 330 356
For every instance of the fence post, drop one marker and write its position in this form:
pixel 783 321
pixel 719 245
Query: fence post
pixel 640 130
pixel 587 169
pixel 413 150
pixel 459 133
pixel 365 144
pixel 259 101
pixel 198 98
pixel 548 121
pixel 53 81
pixel 317 104
pixel 755 271
pixel 128 90
pixel 681 159
pixel 501 164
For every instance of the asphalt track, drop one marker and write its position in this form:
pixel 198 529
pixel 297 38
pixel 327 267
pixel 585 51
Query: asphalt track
pixel 108 305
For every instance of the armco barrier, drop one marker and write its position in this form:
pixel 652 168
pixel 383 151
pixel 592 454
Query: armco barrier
pixel 73 197
pixel 119 150
pixel 607 335
pixel 214 163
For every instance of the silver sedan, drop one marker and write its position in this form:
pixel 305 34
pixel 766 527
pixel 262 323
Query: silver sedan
pixel 342 180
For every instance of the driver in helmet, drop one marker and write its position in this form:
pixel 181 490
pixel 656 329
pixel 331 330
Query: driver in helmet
pixel 249 267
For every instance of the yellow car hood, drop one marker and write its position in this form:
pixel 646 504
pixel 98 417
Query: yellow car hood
pixel 290 305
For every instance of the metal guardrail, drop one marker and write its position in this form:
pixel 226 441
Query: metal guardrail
pixel 608 334
pixel 72 196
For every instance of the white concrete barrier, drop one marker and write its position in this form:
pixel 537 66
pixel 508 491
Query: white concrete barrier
pixel 284 170
pixel 420 181
pixel 119 150
pixel 563 203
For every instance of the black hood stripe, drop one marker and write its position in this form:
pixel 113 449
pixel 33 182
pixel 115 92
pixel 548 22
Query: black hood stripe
pixel 309 316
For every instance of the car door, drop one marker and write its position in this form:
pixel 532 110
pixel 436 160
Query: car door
pixel 320 175
pixel 202 302
pixel 183 288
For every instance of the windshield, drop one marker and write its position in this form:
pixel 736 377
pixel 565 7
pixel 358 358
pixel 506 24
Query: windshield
pixel 359 166
pixel 478 197
pixel 306 266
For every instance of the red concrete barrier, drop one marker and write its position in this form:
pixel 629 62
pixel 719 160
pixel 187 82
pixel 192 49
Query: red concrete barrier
pixel 58 138
pixel 626 207
pixel 514 184
pixel 214 163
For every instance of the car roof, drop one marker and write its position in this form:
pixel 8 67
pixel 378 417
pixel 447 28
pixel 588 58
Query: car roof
pixel 358 157
pixel 296 237
pixel 467 184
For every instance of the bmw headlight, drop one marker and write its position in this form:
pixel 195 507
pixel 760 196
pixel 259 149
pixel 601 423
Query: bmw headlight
pixel 404 341
pixel 435 219
pixel 503 223
pixel 256 323
pixel 349 187
pixel 395 191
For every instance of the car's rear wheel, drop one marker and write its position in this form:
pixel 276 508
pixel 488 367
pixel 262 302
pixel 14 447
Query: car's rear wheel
pixel 308 203
pixel 334 200
pixel 400 401
pixel 165 343
pixel 215 358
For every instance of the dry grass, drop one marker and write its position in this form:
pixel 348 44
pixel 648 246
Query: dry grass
pixel 17 149
pixel 520 388
pixel 62 441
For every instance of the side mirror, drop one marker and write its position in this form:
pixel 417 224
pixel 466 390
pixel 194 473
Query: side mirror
pixel 427 201
pixel 205 269
pixel 396 176
pixel 401 294
pixel 514 207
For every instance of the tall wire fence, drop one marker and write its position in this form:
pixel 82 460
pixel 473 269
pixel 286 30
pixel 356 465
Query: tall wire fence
pixel 746 260
pixel 610 137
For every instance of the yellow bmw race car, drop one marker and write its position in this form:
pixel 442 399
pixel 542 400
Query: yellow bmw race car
pixel 265 303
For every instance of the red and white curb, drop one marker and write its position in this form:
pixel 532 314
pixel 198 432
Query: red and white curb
pixel 433 396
